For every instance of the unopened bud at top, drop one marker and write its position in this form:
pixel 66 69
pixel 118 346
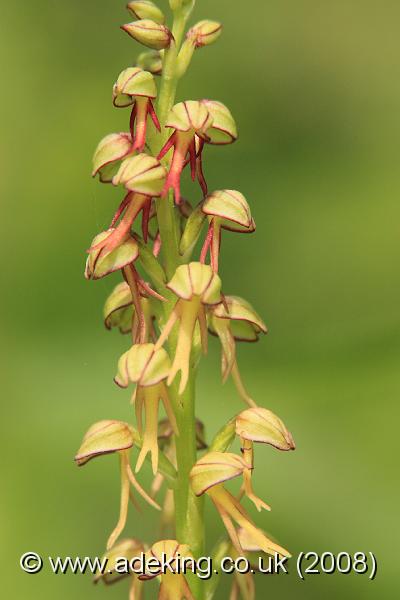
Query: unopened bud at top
pixel 149 33
pixel 150 61
pixel 104 437
pixel 172 552
pixel 204 33
pixel 261 425
pixel 131 83
pixel 145 9
pixel 223 129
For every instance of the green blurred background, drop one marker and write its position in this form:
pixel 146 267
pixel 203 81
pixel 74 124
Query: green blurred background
pixel 314 86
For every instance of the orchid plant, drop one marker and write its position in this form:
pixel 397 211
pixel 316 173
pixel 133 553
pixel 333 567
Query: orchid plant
pixel 169 300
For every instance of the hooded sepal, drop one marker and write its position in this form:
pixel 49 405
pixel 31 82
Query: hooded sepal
pixel 263 426
pixel 100 263
pixel 132 83
pixel 110 151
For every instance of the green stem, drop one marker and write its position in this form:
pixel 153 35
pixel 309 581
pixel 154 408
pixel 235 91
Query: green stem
pixel 189 519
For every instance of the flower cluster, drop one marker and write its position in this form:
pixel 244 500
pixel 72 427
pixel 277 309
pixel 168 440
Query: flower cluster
pixel 169 300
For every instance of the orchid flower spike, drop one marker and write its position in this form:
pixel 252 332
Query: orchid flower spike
pixel 173 583
pixel 207 476
pixel 109 437
pixel 188 120
pixel 109 153
pixel 234 320
pixel 148 367
pixel 263 426
pixel 225 209
pixel 135 87
pixel 196 287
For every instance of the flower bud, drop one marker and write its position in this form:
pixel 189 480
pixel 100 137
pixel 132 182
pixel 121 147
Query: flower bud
pixel 223 129
pixel 261 425
pixel 204 33
pixel 131 83
pixel 149 33
pixel 142 174
pixel 215 468
pixel 128 549
pixel 145 9
pixel 99 264
pixel 231 208
pixel 196 279
pixel 150 61
pixel 144 365
pixel 111 149
pixel 104 437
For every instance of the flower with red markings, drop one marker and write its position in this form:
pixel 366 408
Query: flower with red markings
pixel 196 287
pixel 101 262
pixel 135 87
pixel 223 130
pixel 208 476
pixel 119 311
pixel 173 584
pixel 225 209
pixel 147 367
pixel 143 178
pixel 188 120
pixel 109 153
pixel 109 437
pixel 234 320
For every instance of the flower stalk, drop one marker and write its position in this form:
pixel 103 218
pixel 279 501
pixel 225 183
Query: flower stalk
pixel 169 317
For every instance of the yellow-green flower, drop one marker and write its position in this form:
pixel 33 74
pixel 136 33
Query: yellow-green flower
pixel 196 286
pixel 109 437
pixel 173 584
pixel 225 209
pixel 234 320
pixel 207 476
pixel 148 367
